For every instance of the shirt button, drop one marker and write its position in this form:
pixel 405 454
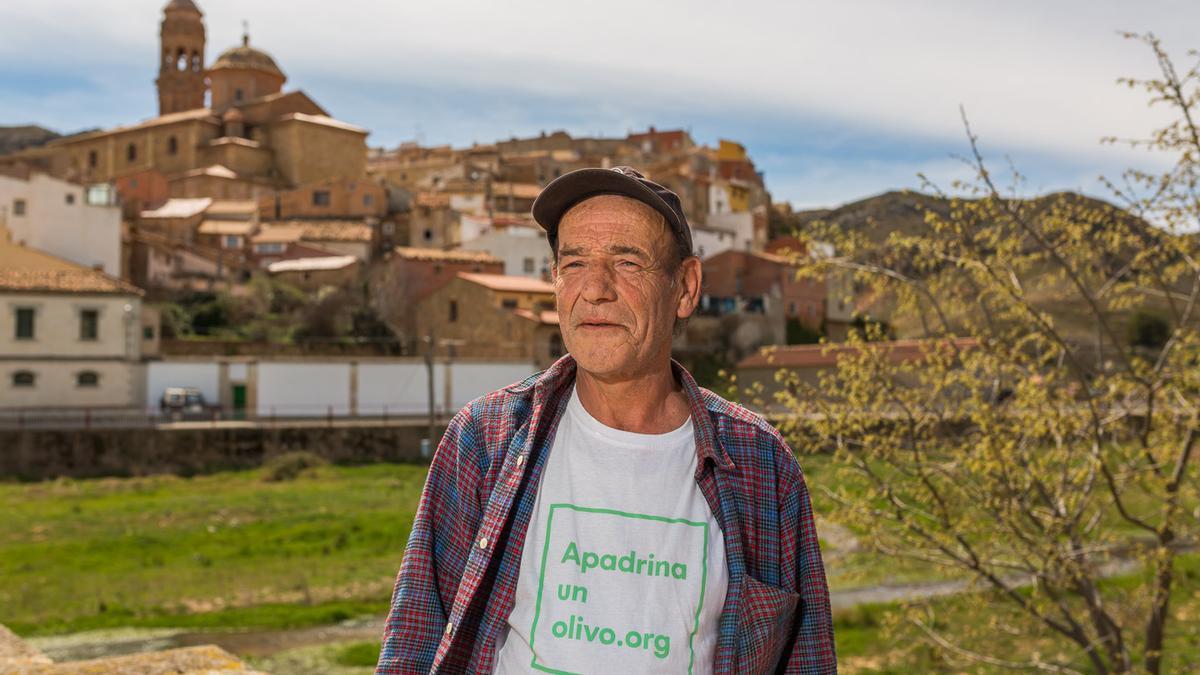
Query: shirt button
pixel 483 542
pixel 449 628
pixel 520 460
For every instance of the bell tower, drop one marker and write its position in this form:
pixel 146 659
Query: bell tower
pixel 181 84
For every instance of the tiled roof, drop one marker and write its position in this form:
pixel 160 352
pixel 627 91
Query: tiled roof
pixel 179 208
pixel 170 118
pixel 232 206
pixel 518 190
pixel 826 356
pixel 331 230
pixel 504 282
pixel 26 270
pixel 322 120
pixel 550 318
pixel 335 262
pixel 438 255
pixel 216 171
pixel 433 200
pixel 278 234
pixel 221 227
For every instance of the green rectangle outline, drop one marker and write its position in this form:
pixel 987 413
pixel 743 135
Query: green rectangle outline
pixel 614 512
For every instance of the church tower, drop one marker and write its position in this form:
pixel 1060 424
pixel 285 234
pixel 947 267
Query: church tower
pixel 180 82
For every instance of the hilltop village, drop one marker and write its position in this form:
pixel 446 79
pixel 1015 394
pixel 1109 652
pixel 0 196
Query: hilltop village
pixel 247 244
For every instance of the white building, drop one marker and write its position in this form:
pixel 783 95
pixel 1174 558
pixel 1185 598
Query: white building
pixel 524 250
pixel 70 336
pixel 68 220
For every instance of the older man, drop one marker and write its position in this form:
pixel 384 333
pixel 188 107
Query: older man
pixel 608 513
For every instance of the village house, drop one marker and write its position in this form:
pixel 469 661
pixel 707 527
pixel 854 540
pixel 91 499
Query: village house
pixel 66 219
pixel 523 249
pixel 70 336
pixel 492 316
pixel 807 363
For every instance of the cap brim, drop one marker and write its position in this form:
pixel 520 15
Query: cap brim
pixel 571 188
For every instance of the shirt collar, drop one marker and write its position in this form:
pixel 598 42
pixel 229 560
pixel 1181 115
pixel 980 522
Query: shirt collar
pixel 556 380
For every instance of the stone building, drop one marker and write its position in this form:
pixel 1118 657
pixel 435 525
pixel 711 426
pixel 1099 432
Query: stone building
pixel 250 138
pixel 492 316
pixel 70 336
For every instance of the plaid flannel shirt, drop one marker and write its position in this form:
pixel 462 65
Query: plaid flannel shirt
pixel 458 578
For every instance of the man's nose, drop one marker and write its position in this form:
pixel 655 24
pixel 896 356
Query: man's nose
pixel 598 284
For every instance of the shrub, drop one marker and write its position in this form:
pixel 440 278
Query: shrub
pixel 289 465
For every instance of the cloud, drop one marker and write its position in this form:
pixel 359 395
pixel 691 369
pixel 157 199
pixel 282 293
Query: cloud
pixel 860 85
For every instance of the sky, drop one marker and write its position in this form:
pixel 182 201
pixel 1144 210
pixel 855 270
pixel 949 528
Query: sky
pixel 835 101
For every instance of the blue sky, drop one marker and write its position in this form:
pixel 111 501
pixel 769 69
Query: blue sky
pixel 835 101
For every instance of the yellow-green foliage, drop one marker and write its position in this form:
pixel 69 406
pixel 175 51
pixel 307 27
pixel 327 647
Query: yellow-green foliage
pixel 1038 459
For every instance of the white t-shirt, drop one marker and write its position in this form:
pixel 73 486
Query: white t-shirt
pixel 624 564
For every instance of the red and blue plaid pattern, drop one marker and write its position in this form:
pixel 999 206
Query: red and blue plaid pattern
pixel 458 578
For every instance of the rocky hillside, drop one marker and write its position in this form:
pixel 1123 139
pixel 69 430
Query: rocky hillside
pixel 13 139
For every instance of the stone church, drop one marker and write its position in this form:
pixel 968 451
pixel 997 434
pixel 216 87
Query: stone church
pixel 228 130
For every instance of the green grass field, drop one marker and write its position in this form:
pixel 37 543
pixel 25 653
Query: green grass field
pixel 226 549
pixel 233 550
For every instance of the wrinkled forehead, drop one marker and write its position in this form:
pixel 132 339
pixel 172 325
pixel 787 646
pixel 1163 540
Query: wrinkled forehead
pixel 608 212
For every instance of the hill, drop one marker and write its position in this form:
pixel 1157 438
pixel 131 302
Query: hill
pixel 17 138
pixel 876 218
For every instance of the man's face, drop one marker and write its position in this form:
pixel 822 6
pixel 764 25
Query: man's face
pixel 618 286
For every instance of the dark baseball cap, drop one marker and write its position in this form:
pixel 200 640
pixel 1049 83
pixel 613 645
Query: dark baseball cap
pixel 571 188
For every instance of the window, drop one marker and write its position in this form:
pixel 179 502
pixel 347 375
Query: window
pixel 23 378
pixel 87 378
pixel 18 207
pixel 89 324
pixel 70 198
pixel 529 263
pixel 427 234
pixel 508 303
pixel 172 145
pixel 147 332
pixel 237 94
pixel 93 159
pixel 320 197
pixel 231 241
pixel 453 311
pixel 368 200
pixel 269 247
pixel 25 323
pixel 131 152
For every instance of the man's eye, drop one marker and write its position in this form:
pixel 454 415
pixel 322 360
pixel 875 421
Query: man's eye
pixel 572 264
pixel 628 264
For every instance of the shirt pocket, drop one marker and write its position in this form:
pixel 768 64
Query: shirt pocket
pixel 765 615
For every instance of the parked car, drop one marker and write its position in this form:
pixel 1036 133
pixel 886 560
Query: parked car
pixel 183 403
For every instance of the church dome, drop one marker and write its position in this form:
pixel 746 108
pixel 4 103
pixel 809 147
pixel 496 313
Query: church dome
pixel 246 57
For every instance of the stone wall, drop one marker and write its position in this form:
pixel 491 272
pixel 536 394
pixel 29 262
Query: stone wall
pixel 48 454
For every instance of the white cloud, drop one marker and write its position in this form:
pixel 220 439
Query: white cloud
pixel 1036 77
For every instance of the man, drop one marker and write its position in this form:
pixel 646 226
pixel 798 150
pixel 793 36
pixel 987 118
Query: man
pixel 608 512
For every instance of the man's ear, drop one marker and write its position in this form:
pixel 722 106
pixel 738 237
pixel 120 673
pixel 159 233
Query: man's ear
pixel 691 275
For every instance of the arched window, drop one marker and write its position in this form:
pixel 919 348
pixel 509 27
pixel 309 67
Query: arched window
pixel 131 152
pixel 87 378
pixel 93 159
pixel 181 60
pixel 195 62
pixel 172 145
pixel 23 378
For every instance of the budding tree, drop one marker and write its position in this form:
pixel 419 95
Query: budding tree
pixel 1034 445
